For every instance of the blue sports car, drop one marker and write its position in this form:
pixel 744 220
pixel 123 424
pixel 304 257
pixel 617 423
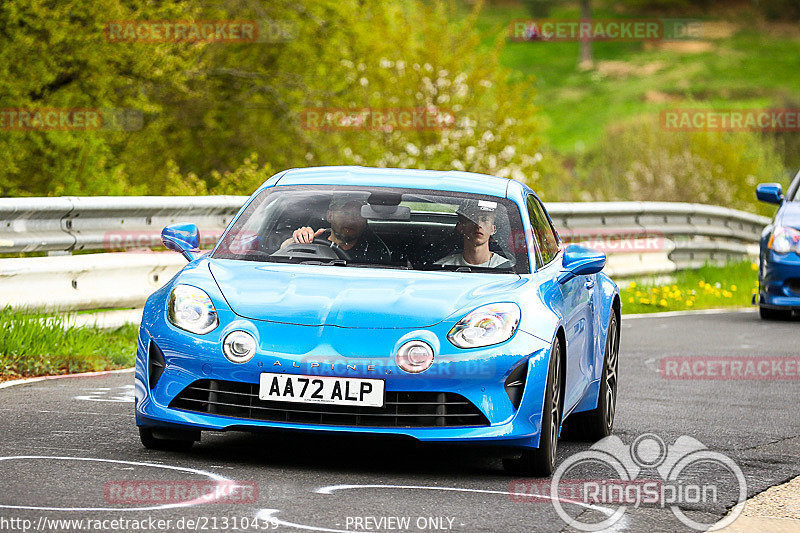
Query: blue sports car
pixel 779 258
pixel 435 305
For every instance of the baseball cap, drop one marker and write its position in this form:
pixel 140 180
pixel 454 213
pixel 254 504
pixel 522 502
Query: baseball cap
pixel 474 209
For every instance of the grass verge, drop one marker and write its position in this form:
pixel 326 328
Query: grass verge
pixel 708 287
pixel 35 344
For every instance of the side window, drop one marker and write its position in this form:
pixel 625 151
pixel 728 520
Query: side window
pixel 542 230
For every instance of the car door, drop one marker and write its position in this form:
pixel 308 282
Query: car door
pixel 573 302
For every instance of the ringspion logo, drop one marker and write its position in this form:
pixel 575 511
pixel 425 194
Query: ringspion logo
pixel 689 474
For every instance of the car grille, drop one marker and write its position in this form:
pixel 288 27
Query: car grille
pixel 401 409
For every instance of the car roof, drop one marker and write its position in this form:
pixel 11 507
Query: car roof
pixel 439 180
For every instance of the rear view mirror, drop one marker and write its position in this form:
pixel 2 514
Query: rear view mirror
pixel 580 261
pixel 772 193
pixel 386 212
pixel 182 238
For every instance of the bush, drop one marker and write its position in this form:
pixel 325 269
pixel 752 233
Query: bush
pixel 638 160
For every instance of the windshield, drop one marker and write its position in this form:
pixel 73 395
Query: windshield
pixel 379 227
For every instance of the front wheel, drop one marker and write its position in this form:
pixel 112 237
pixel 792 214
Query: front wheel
pixel 541 461
pixel 599 422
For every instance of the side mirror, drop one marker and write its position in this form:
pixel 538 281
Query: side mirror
pixel 182 238
pixel 772 193
pixel 580 261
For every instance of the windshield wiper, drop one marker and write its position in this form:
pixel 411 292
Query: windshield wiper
pixel 379 265
pixel 299 260
pixel 464 268
pixel 329 262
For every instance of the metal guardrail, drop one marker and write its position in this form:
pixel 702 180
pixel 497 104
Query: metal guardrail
pixel 699 233
pixel 639 238
pixel 105 222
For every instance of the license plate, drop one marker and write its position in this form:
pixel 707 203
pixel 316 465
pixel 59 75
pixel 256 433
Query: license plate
pixel 321 389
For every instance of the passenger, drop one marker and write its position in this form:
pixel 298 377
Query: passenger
pixel 476 224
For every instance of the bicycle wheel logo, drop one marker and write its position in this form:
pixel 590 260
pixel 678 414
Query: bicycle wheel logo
pixel 683 475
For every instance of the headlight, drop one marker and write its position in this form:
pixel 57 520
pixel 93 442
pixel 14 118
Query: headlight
pixel 239 347
pixel 785 240
pixel 486 325
pixel 191 309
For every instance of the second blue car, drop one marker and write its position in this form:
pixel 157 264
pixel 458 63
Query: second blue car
pixel 779 258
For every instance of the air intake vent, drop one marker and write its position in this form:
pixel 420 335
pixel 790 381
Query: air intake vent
pixel 401 409
pixel 155 364
pixel 515 383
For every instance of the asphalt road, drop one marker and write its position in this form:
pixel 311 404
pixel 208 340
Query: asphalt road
pixel 67 445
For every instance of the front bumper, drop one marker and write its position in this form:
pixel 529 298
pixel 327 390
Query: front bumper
pixel 477 375
pixel 779 281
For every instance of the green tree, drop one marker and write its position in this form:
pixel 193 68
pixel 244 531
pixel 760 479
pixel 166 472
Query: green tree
pixel 54 55
pixel 221 115
pixel 639 160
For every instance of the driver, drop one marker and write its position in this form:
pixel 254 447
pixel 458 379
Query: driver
pixel 348 230
pixel 476 226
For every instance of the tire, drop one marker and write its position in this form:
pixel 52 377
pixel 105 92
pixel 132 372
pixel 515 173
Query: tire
pixel 182 443
pixel 541 461
pixel 599 422
pixel 768 313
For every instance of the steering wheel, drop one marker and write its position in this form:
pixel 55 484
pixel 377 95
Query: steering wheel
pixel 338 250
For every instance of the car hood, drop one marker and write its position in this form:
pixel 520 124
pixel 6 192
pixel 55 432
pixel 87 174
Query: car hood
pixel 352 297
